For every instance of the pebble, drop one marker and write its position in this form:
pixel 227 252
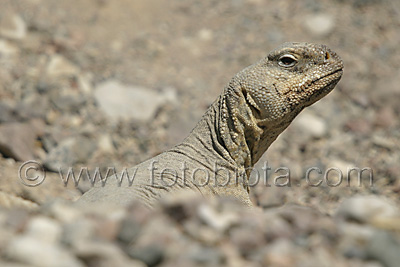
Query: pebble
pixel 13 27
pixel 7 49
pixel 58 66
pixel 44 229
pixel 17 140
pixel 247 240
pixel 319 24
pixel 151 255
pixel 102 254
pixel 33 106
pixel 208 256
pixel 365 209
pixel 106 144
pixel 385 118
pixel 68 101
pixel 219 221
pixel 7 112
pixel 311 125
pixel 120 101
pixel 359 126
pixel 384 248
pixel 12 202
pixel 30 250
pixel 69 152
pixel 129 230
pixel 77 232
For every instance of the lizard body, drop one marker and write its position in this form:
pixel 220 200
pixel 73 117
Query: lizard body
pixel 254 108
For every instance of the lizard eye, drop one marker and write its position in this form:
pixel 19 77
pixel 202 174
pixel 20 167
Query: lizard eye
pixel 287 61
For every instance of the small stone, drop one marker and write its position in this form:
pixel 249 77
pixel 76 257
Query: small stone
pixel 7 49
pixel 366 209
pixel 44 229
pixel 219 221
pixel 85 85
pixel 106 143
pixel 104 254
pixel 12 26
pixel 247 240
pixel 129 230
pixel 207 256
pixel 320 24
pixel 33 106
pixel 333 178
pixel 280 253
pixel 61 67
pixel 384 248
pixel 205 34
pixel 13 264
pixel 29 250
pixel 12 202
pixel 151 255
pixel 385 118
pixel 17 140
pixel 119 101
pixel 76 232
pixel 69 152
pixel 7 112
pixel 62 212
pixel 17 219
pixel 311 125
pixel 68 101
pixel 360 126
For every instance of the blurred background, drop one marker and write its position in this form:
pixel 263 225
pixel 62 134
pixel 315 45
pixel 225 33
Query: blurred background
pixel 102 83
pixel 112 83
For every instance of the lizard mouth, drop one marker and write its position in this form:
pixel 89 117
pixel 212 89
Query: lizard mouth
pixel 337 72
pixel 323 85
pixel 318 88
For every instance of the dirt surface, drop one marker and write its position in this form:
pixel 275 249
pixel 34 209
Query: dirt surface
pixel 61 63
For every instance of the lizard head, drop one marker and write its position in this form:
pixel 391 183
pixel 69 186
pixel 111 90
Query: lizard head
pixel 264 98
pixel 290 78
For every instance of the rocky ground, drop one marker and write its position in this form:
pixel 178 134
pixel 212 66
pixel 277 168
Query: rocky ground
pixel 100 83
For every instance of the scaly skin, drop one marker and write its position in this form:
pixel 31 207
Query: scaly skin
pixel 253 109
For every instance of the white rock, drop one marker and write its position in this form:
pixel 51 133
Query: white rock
pixel 59 66
pixel 219 221
pixel 7 49
pixel 319 24
pixel 85 83
pixel 205 34
pixel 106 253
pixel 64 212
pixel 35 252
pixel 13 27
pixel 119 101
pixel 44 229
pixel 366 209
pixel 310 124
pixel 106 144
pixel 9 201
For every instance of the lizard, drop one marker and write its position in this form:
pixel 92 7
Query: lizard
pixel 256 106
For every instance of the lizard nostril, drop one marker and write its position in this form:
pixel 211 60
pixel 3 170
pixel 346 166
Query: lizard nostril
pixel 327 56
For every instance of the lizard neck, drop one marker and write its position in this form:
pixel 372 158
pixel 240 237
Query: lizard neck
pixel 242 133
pixel 231 132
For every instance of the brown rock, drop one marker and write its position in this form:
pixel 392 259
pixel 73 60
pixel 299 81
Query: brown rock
pixel 17 140
pixel 385 118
